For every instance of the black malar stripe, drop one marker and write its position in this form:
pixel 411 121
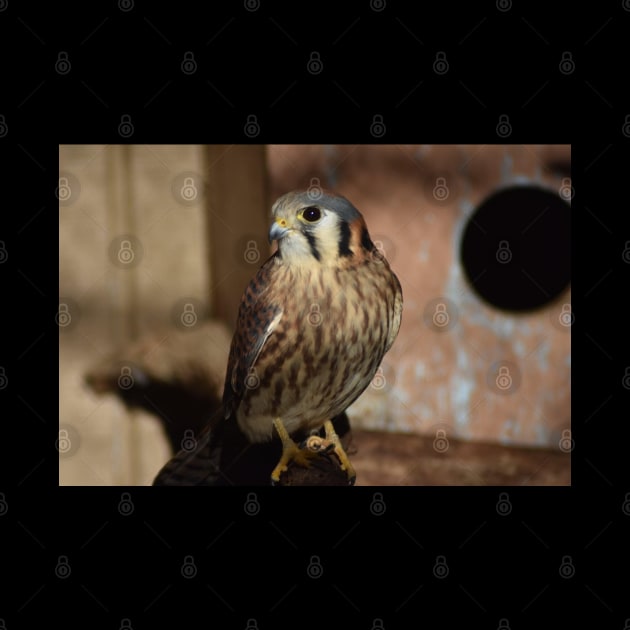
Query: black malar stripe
pixel 344 239
pixel 312 241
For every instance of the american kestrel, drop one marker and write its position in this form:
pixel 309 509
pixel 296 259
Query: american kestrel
pixel 312 327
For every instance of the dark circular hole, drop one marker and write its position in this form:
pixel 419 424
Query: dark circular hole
pixel 516 248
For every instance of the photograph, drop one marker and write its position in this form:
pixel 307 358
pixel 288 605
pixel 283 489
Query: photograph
pixel 291 314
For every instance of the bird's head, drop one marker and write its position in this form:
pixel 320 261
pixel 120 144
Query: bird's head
pixel 325 229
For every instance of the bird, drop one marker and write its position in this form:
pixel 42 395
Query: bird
pixel 312 328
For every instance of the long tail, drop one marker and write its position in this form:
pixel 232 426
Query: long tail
pixel 198 466
pixel 222 456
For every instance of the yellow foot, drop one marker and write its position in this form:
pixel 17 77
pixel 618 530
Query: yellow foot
pixel 290 453
pixel 316 444
pixel 332 437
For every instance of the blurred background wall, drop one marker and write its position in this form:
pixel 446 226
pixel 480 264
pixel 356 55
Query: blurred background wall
pixel 156 240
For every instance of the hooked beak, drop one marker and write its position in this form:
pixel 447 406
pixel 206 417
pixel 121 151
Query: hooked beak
pixel 278 229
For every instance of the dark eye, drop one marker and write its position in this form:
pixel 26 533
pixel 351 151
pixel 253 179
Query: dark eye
pixel 312 214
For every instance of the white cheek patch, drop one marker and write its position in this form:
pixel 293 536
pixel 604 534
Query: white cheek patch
pixel 328 234
pixel 295 246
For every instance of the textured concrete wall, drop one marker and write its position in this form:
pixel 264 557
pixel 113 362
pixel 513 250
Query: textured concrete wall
pixel 444 379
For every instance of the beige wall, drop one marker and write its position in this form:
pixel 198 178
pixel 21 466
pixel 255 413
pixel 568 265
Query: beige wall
pixel 119 190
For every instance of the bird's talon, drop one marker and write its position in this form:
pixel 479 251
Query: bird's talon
pixel 316 444
pixel 344 462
